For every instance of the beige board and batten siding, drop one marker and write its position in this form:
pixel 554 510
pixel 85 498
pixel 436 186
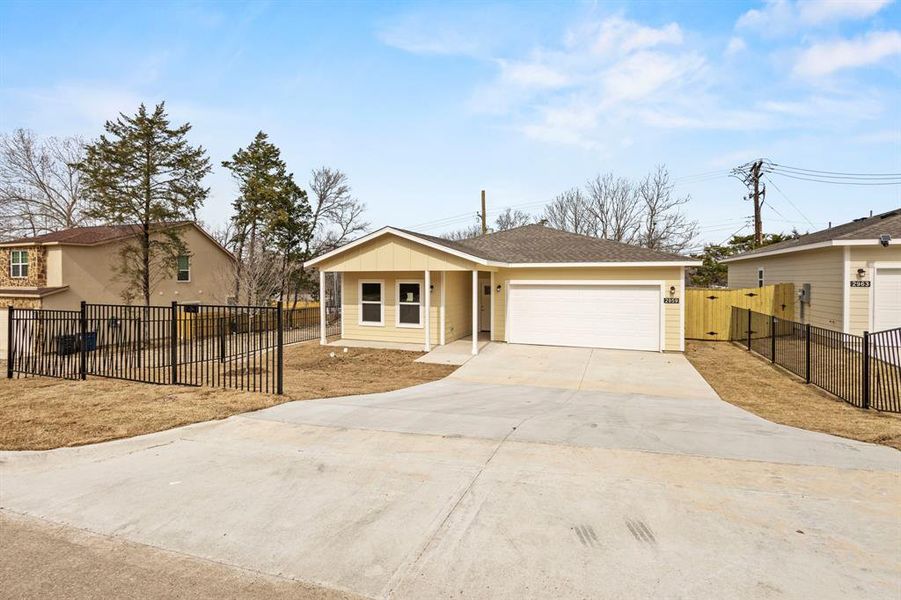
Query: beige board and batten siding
pixel 388 331
pixel 669 276
pixel 860 299
pixel 821 268
pixel 458 305
pixel 393 253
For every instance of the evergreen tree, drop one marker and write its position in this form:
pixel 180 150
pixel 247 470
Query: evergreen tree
pixel 143 172
pixel 271 217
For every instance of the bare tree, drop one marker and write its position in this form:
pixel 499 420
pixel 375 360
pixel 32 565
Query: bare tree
pixel 569 211
pixel 611 200
pixel 40 186
pixel 512 218
pixel 644 213
pixel 663 226
pixel 336 218
pixel 465 233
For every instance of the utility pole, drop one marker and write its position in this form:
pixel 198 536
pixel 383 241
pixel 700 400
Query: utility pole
pixel 750 174
pixel 758 222
pixel 484 217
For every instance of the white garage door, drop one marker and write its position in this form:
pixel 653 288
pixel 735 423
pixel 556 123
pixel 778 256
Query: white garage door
pixel 588 315
pixel 887 299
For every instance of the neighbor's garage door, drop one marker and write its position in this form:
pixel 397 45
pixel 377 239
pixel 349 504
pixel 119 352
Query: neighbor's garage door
pixel 887 299
pixel 589 315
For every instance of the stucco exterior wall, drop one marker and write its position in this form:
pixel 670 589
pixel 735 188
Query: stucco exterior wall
pixel 90 273
pixel 388 331
pixel 393 253
pixel 822 269
pixel 670 276
pixel 860 299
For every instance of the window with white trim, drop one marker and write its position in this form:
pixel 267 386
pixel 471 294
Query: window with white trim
pixel 760 277
pixel 409 304
pixel 18 264
pixel 184 268
pixel 372 307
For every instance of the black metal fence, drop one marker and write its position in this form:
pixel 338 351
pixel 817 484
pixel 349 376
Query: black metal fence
pixel 862 370
pixel 237 347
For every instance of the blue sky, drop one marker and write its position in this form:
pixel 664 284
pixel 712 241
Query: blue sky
pixel 424 104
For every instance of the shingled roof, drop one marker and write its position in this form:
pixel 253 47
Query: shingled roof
pixel 543 244
pixel 87 236
pixel 866 228
pixel 528 245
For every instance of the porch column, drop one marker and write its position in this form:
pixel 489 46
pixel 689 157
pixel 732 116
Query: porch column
pixel 322 339
pixel 441 309
pixel 475 311
pixel 428 312
pixel 492 298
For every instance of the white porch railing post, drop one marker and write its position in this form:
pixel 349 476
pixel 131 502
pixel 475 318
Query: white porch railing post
pixel 322 337
pixel 428 312
pixel 475 311
pixel 441 321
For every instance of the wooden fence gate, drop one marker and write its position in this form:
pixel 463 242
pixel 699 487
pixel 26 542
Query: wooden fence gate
pixel 708 311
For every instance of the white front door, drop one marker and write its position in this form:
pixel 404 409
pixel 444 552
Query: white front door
pixel 887 299
pixel 484 305
pixel 590 314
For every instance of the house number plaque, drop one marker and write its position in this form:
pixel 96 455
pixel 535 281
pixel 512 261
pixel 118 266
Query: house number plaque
pixel 857 283
pixel 671 301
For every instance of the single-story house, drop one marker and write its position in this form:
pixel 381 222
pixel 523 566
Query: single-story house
pixel 58 270
pixel 847 278
pixel 528 285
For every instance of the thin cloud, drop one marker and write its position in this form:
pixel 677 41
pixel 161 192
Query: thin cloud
pixel 825 58
pixel 781 17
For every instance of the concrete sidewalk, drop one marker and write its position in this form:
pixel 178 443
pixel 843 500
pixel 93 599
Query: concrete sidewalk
pixel 529 473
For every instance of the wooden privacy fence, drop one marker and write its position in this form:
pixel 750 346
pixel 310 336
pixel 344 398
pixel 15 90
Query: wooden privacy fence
pixel 708 311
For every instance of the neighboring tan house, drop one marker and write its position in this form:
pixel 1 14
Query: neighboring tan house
pixel 528 285
pixel 847 278
pixel 60 269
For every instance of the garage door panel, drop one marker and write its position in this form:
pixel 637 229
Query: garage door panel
pixel 887 299
pixel 591 315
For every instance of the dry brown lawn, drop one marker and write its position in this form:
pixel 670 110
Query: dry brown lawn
pixel 41 413
pixel 754 384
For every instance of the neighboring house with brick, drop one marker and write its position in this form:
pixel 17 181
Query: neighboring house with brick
pixel 848 277
pixel 60 269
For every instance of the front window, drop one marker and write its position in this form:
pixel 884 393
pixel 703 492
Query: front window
pixel 184 268
pixel 759 277
pixel 409 307
pixel 371 305
pixel 18 264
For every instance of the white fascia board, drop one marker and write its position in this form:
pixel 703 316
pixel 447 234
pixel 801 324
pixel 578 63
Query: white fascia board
pixel 817 246
pixel 664 263
pixel 400 234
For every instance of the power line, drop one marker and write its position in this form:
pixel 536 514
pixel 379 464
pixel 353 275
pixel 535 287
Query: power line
pixel 835 182
pixel 814 171
pixel 798 210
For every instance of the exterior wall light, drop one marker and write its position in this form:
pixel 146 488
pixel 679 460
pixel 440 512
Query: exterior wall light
pixel 860 273
pixel 672 290
pixel 498 288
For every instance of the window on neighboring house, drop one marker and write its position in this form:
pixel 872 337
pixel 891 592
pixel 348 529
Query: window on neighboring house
pixel 372 308
pixel 18 264
pixel 184 268
pixel 409 307
pixel 759 277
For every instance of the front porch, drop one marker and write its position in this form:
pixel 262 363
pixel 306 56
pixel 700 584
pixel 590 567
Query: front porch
pixel 434 311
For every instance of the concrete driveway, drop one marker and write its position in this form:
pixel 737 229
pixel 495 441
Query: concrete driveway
pixel 530 472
